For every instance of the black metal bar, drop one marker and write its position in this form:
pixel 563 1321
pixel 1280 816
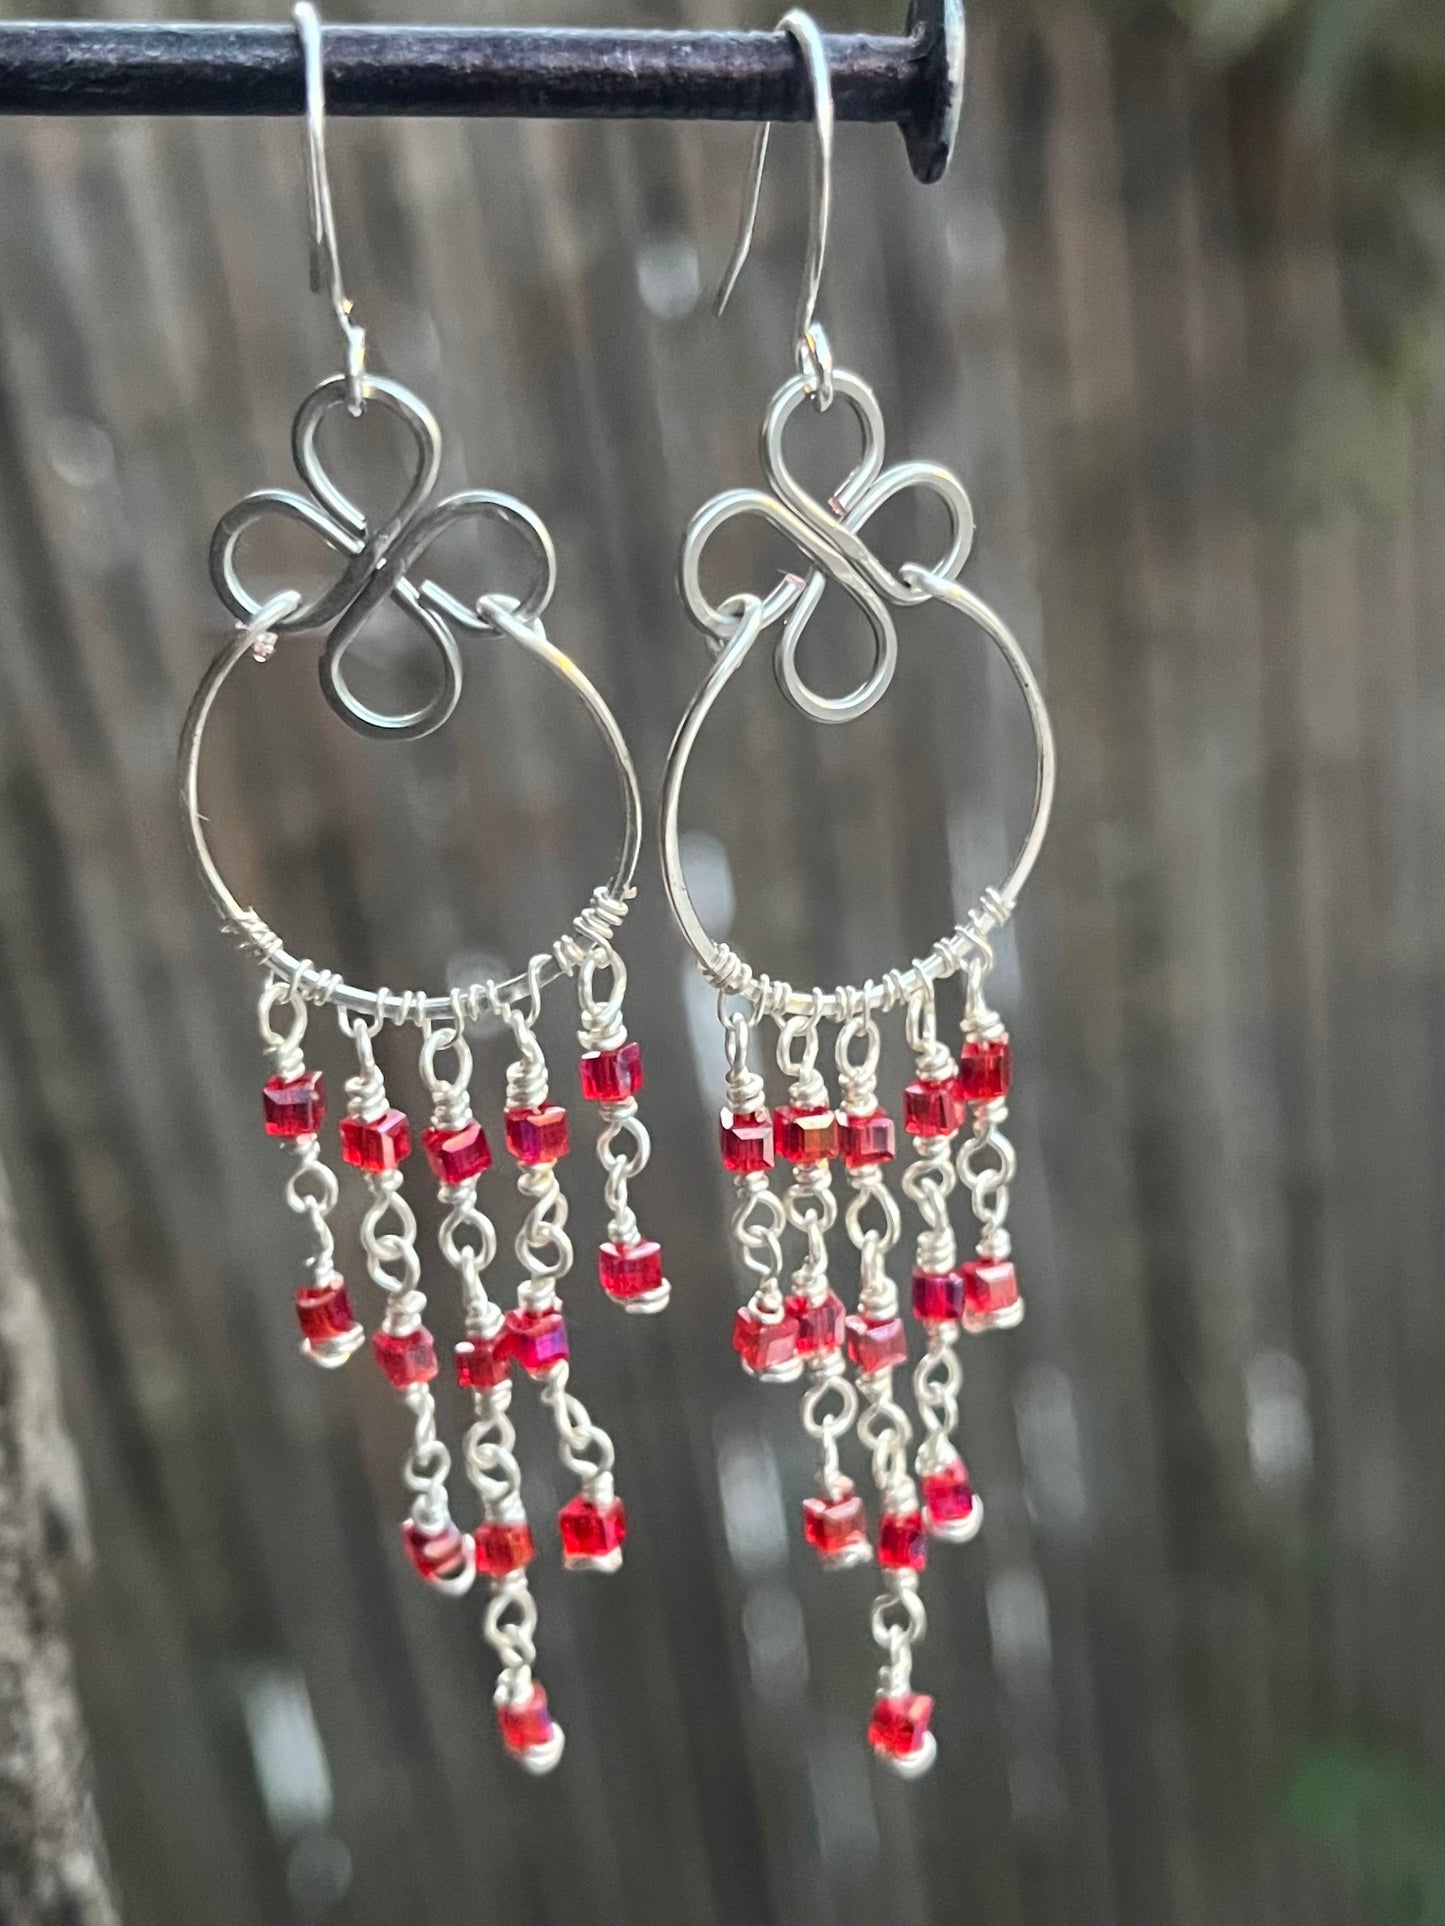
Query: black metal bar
pixel 75 67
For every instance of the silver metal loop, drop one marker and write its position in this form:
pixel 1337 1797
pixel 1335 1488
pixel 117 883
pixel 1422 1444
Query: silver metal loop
pixel 321 216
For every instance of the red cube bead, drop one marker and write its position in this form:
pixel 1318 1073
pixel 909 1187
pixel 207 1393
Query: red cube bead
pixel 526 1724
pixel 376 1144
pixel 950 1506
pixel 537 1340
pixel 938 1296
pixel 630 1270
pixel 805 1136
pixel 324 1311
pixel 484 1362
pixel 747 1141
pixel 456 1156
pixel 837 1529
pixel 985 1070
pixel 820 1326
pixel 933 1109
pixel 592 1534
pixel 902 1542
pixel 767 1346
pixel 504 1545
pixel 899 1726
pixel 439 1556
pixel 991 1300
pixel 610 1075
pixel 407 1360
pixel 877 1344
pixel 866 1140
pixel 295 1106
pixel 537 1136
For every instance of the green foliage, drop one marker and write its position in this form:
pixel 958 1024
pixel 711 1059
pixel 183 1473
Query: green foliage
pixel 1382 1815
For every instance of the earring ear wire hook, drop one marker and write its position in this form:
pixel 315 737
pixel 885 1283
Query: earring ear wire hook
pixel 321 216
pixel 815 356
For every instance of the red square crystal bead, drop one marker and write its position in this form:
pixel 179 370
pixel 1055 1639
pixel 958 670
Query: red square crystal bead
pixel 938 1296
pixel 948 1498
pixel 504 1545
pixel 747 1141
pixel 805 1136
pixel 630 1270
pixel 610 1075
pixel 820 1326
pixel 933 1109
pixel 837 1529
pixel 764 1344
pixel 592 1534
pixel 991 1298
pixel 536 1339
pixel 439 1556
pixel 866 1140
pixel 537 1136
pixel 985 1070
pixel 378 1144
pixel 484 1362
pixel 899 1726
pixel 877 1344
pixel 294 1107
pixel 526 1724
pixel 902 1542
pixel 456 1156
pixel 407 1360
pixel 324 1311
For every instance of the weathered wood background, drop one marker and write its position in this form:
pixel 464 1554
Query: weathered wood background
pixel 1192 1671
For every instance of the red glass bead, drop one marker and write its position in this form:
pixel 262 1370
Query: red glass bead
pixel 747 1141
pixel 324 1311
pixel 526 1724
pixel 820 1326
pixel 949 1501
pixel 610 1075
pixel 536 1339
pixel 991 1298
pixel 630 1270
pixel 877 1344
pixel 805 1136
pixel 933 1109
pixel 406 1360
pixel 837 1529
pixel 985 1070
pixel 376 1145
pixel 938 1296
pixel 438 1555
pixel 294 1107
pixel 902 1543
pixel 456 1156
pixel 484 1362
pixel 504 1545
pixel 537 1136
pixel 899 1726
pixel 592 1534
pixel 765 1344
pixel 866 1140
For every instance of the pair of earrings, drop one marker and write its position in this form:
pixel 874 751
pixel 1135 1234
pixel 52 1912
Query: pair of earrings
pixel 953 1112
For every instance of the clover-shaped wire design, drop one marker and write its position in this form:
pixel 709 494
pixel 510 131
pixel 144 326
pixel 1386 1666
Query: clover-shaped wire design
pixel 378 558
pixel 830 537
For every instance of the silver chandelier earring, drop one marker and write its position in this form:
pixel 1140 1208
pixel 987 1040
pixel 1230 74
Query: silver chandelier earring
pixel 379 564
pixel 955 1109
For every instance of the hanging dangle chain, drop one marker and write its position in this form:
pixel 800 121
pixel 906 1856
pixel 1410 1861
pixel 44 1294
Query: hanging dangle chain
pixel 593 1525
pixel 629 1265
pixel 294 1100
pixel 986 1160
pixel 765 1335
pixel 934 1108
pixel 376 1139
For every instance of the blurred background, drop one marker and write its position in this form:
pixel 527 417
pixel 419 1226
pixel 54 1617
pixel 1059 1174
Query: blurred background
pixel 1175 318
